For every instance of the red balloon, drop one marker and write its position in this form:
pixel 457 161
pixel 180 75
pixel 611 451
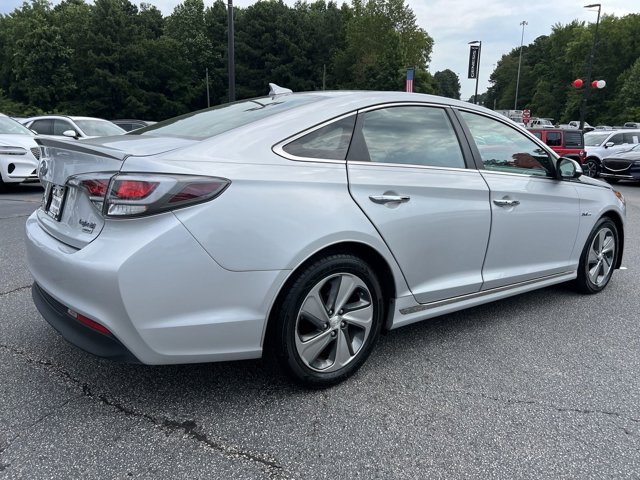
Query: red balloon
pixel 577 83
pixel 594 84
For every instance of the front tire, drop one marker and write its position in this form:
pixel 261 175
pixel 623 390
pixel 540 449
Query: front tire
pixel 591 167
pixel 329 320
pixel 598 257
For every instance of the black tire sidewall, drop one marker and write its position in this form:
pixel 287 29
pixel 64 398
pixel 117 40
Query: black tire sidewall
pixel 306 279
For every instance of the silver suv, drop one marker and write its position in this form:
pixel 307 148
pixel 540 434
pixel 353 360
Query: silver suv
pixel 72 127
pixel 599 145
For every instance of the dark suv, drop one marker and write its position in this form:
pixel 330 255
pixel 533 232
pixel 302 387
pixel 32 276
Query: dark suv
pixel 566 142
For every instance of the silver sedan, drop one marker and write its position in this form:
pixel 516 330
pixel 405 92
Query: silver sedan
pixel 304 224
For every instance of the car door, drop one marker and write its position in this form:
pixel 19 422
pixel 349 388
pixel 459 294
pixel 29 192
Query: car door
pixel 407 172
pixel 535 217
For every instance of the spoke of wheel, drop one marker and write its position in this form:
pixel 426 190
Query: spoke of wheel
pixel 311 349
pixel 593 273
pixel 347 287
pixel 362 317
pixel 343 351
pixel 314 310
pixel 609 245
pixel 606 265
pixel 601 236
pixel 593 256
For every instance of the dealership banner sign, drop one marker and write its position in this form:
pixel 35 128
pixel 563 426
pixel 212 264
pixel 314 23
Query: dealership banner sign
pixel 473 61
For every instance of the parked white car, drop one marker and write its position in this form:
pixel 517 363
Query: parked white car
pixel 19 153
pixel 304 224
pixel 72 127
pixel 600 144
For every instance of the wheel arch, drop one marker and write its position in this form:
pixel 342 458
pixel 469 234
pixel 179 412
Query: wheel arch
pixel 367 253
pixel 617 220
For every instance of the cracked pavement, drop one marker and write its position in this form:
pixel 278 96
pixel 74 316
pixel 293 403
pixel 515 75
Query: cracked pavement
pixel 544 385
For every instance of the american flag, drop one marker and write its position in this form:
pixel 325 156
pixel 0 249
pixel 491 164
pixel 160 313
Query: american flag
pixel 409 84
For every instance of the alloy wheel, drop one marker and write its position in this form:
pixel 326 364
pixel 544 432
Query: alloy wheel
pixel 601 256
pixel 334 322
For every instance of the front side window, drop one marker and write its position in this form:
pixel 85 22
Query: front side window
pixel 99 128
pixel 503 149
pixel 328 142
pixel 617 139
pixel 61 126
pixel 413 135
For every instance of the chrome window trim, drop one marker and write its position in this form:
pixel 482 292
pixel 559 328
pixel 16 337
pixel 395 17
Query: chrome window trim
pixel 440 303
pixel 278 148
pixel 410 165
pixel 494 172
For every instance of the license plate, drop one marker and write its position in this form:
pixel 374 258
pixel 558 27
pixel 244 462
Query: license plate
pixel 56 201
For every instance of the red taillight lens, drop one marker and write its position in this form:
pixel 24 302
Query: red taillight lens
pixel 132 189
pixel 96 188
pixel 195 191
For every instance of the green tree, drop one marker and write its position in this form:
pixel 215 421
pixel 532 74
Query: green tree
pixel 447 84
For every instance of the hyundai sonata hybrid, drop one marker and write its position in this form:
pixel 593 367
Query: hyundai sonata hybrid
pixel 304 224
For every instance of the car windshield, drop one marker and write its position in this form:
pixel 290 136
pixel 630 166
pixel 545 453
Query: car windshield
pixel 595 139
pixel 11 126
pixel 99 128
pixel 213 121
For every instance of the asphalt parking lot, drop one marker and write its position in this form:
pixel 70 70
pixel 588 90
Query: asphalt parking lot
pixel 544 385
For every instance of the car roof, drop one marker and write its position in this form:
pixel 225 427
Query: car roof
pixel 70 117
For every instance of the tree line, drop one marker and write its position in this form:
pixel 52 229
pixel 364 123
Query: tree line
pixel 552 62
pixel 112 58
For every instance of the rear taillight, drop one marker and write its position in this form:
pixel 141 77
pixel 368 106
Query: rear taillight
pixel 582 155
pixel 135 194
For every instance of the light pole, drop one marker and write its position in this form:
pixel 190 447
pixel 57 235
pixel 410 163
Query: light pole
pixel 587 89
pixel 231 54
pixel 515 102
pixel 479 43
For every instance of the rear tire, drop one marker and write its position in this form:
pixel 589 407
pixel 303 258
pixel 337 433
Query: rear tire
pixel 329 320
pixel 598 257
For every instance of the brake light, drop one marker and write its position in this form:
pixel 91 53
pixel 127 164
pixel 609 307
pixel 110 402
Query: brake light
pixel 96 188
pixel 135 194
pixel 132 189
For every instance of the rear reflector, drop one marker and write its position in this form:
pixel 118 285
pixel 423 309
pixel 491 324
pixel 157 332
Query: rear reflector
pixel 89 323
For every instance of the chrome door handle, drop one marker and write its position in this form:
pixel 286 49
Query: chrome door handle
pixel 506 203
pixel 389 198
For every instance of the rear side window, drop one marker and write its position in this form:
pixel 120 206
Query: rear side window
pixel 328 142
pixel 538 134
pixel 573 139
pixel 554 139
pixel 631 137
pixel 412 135
pixel 43 127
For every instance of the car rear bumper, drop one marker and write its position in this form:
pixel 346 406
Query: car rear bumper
pixel 76 333
pixel 164 299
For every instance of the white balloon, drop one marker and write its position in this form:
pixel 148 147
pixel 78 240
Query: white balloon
pixel 602 84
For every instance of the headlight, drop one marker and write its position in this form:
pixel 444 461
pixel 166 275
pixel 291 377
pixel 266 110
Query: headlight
pixel 12 151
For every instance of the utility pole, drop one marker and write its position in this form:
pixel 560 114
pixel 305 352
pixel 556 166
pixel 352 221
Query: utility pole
pixel 231 54
pixel 515 102
pixel 587 87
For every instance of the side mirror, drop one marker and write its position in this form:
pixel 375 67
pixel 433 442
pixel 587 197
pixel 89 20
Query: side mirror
pixel 70 133
pixel 609 144
pixel 568 168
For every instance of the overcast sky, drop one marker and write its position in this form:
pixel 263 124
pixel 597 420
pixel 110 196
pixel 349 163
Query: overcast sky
pixel 454 23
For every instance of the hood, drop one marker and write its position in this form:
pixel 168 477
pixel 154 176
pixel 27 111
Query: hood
pixel 595 182
pixel 17 140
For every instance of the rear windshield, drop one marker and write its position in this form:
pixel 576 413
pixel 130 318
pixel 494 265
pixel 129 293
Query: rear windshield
pixel 573 139
pixel 213 121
